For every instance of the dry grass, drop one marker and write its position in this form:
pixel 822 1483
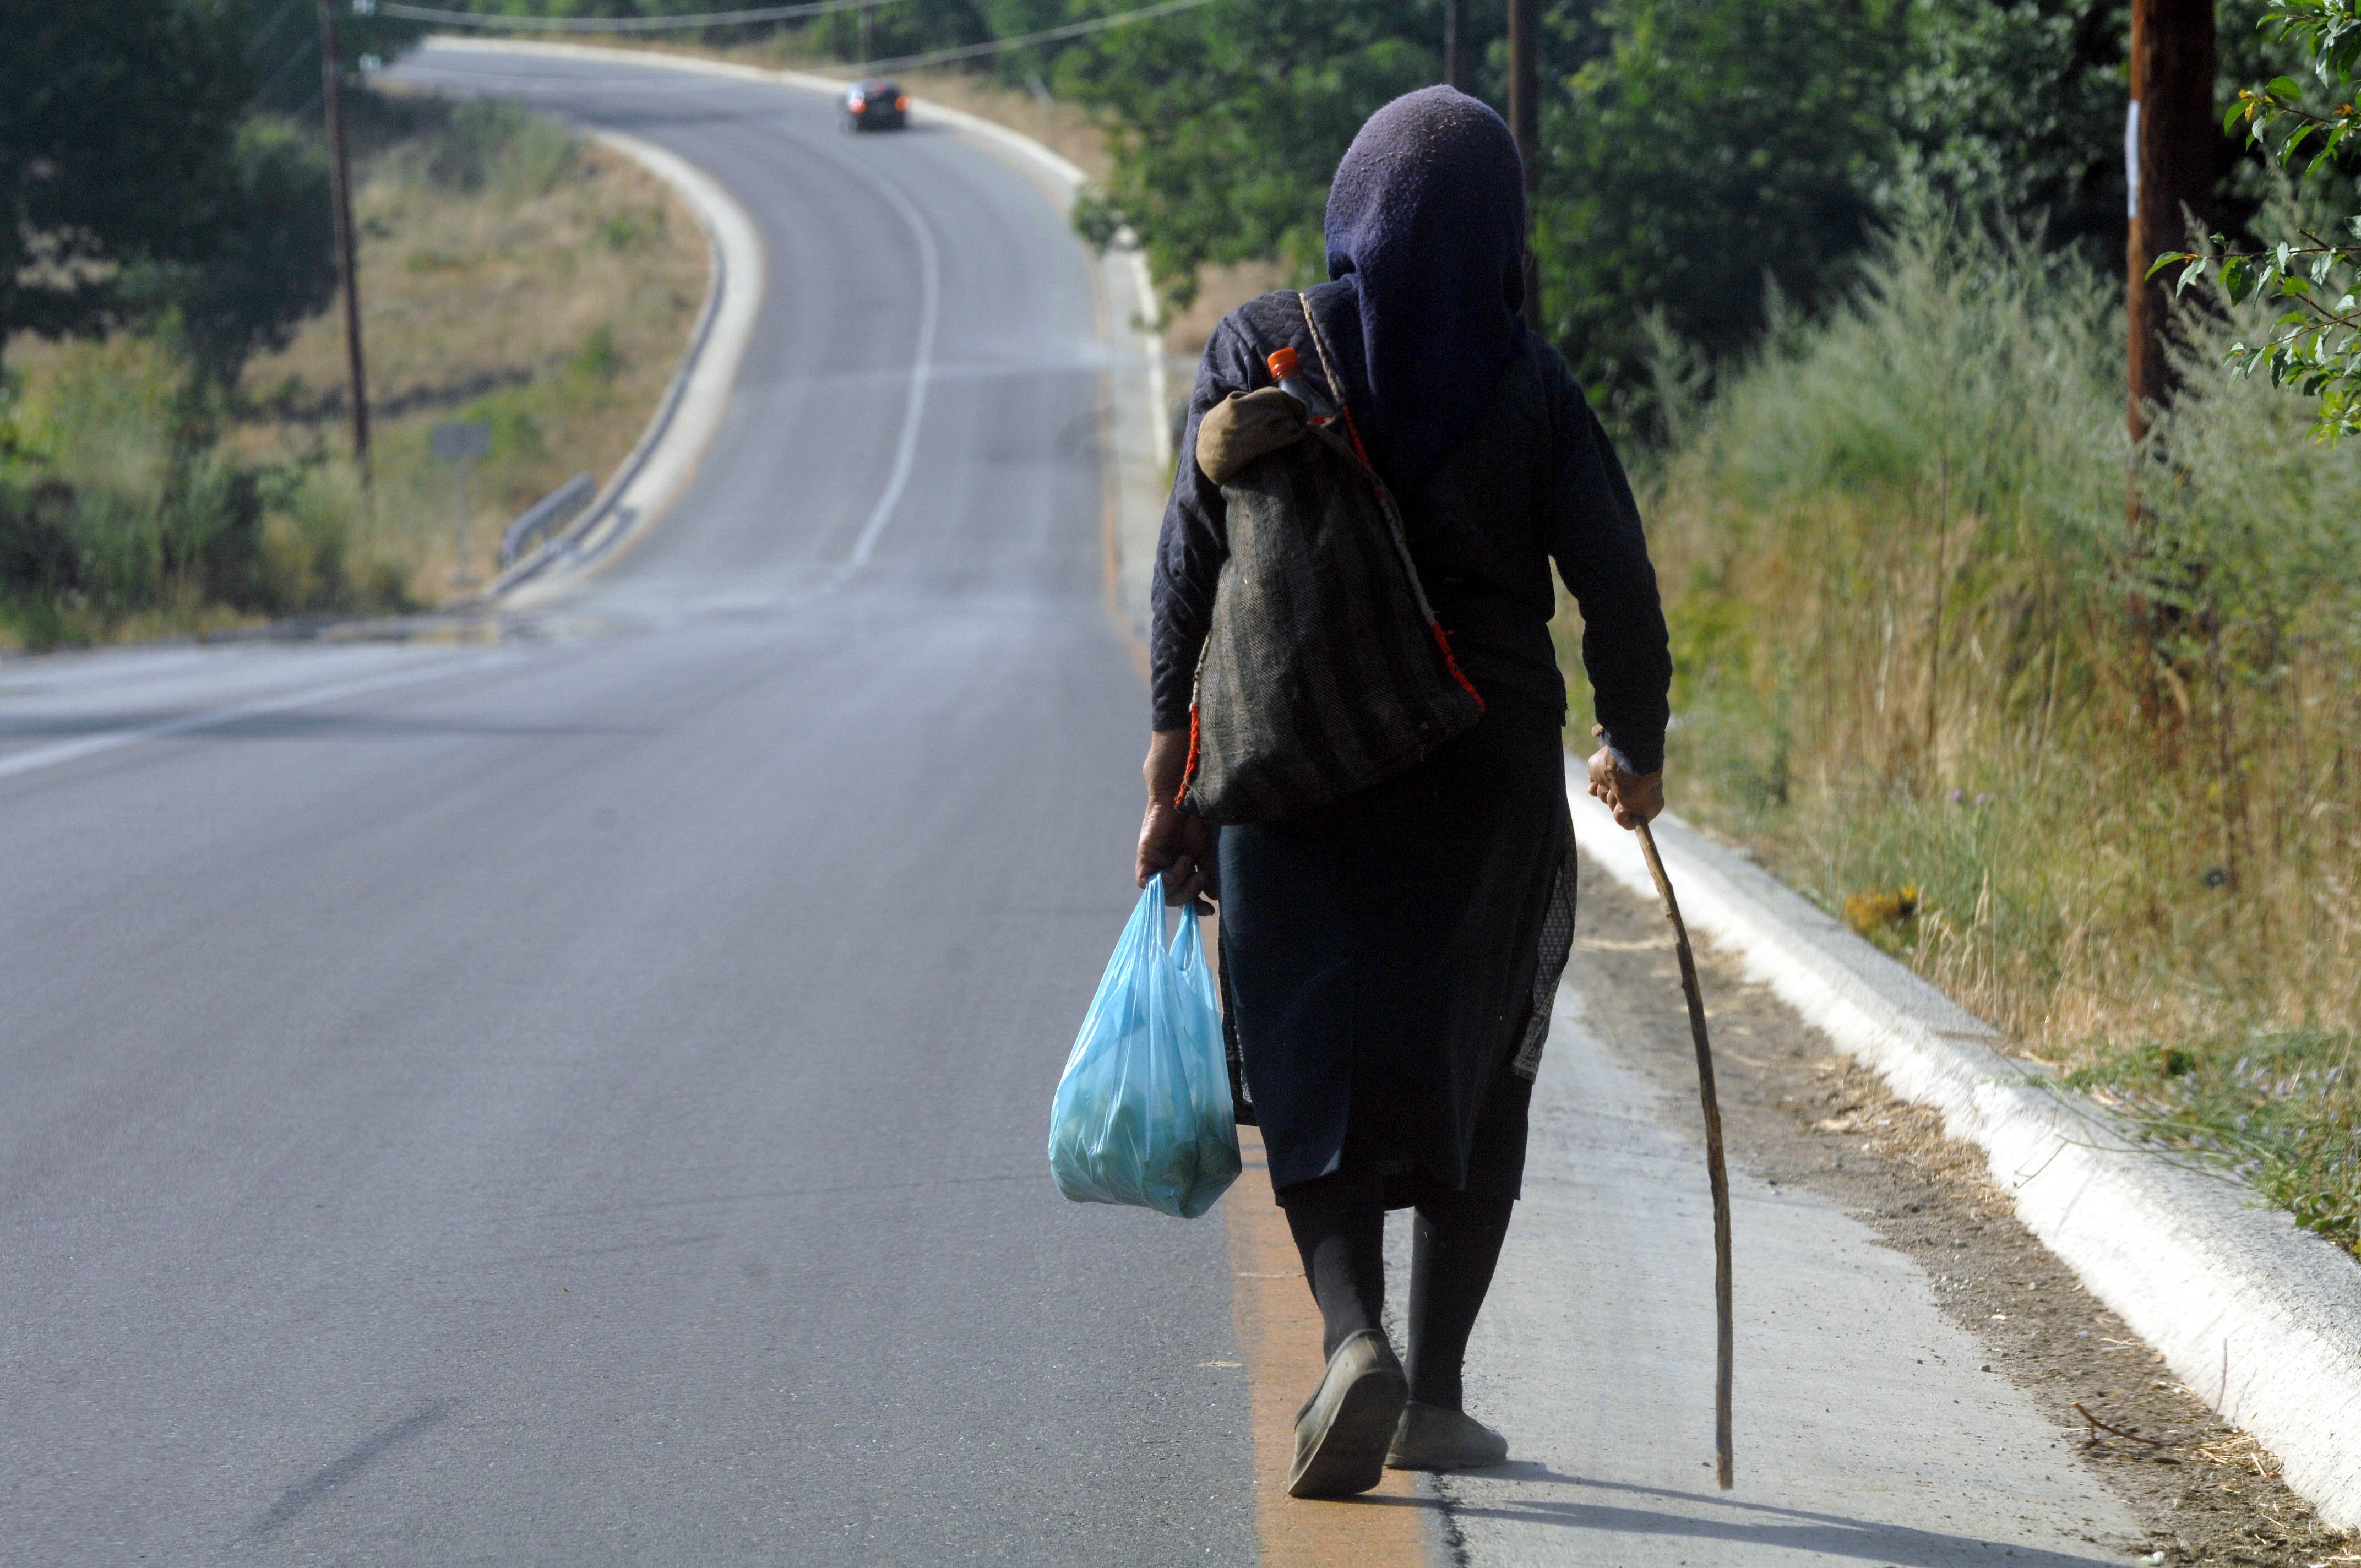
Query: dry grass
pixel 1901 588
pixel 512 274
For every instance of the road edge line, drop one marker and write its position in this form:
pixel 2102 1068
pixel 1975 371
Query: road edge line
pixel 1396 1524
pixel 2253 1314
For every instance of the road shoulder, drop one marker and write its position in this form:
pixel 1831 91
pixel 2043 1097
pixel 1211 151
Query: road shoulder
pixel 1812 1128
pixel 1868 1427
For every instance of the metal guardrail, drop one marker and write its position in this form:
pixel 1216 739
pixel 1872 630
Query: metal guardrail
pixel 552 511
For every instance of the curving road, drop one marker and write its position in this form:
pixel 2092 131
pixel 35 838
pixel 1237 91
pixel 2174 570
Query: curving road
pixel 582 1100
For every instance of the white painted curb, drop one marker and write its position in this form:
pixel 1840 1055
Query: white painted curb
pixel 678 436
pixel 658 468
pixel 2257 1316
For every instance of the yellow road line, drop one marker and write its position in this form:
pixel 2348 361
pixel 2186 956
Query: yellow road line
pixel 1278 1336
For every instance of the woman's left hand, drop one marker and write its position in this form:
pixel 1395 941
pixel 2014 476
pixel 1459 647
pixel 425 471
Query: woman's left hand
pixel 1634 798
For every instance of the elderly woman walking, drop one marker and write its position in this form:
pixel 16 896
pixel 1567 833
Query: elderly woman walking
pixel 1389 958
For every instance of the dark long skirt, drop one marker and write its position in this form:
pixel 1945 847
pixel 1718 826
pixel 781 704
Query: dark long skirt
pixel 1380 958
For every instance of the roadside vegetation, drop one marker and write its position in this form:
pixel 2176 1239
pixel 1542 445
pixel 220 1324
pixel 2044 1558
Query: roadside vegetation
pixel 174 453
pixel 1921 674
pixel 512 274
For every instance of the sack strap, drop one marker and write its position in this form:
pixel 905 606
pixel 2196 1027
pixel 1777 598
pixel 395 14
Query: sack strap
pixel 1336 391
pixel 1356 458
pixel 1386 503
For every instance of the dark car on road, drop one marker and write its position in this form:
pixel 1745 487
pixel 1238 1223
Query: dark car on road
pixel 877 105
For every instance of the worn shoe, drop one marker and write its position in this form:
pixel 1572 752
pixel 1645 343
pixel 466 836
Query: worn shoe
pixel 1342 1431
pixel 1430 1437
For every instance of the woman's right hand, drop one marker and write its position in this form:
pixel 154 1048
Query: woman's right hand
pixel 1174 843
pixel 1171 842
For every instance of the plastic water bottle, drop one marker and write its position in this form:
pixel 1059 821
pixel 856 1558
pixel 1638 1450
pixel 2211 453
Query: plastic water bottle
pixel 1287 370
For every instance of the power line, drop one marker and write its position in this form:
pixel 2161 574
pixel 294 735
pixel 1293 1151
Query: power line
pixel 303 53
pixel 604 24
pixel 771 13
pixel 1049 35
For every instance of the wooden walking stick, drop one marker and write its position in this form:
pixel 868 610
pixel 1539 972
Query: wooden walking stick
pixel 1716 1169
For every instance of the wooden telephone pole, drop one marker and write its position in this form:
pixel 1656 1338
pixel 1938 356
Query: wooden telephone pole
pixel 2171 135
pixel 1455 43
pixel 1525 123
pixel 340 187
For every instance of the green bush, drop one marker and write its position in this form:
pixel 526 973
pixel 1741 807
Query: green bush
pixel 117 502
pixel 515 153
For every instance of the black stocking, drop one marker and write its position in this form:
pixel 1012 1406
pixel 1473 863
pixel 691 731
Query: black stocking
pixel 1340 1229
pixel 1455 1244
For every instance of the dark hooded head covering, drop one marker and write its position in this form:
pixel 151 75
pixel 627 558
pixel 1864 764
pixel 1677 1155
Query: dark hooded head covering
pixel 1426 227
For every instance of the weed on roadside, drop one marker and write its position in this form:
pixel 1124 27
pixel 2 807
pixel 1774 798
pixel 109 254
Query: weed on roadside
pixel 2280 1107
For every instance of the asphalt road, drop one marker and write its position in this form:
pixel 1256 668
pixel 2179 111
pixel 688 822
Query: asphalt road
pixel 583 1100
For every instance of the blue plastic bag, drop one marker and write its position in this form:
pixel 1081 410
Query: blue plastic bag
pixel 1143 1114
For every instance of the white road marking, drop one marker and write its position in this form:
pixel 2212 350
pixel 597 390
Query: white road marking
pixel 92 745
pixel 922 366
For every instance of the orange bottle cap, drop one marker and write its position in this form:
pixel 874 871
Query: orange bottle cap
pixel 1282 363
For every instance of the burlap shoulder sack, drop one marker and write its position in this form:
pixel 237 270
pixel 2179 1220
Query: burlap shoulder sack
pixel 1324 670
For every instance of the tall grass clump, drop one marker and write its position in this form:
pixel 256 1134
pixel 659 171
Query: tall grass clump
pixel 2096 777
pixel 122 512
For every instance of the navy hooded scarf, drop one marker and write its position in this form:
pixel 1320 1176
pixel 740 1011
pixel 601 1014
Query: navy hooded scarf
pixel 1426 229
pixel 1501 467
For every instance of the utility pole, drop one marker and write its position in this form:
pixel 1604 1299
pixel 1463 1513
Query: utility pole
pixel 340 185
pixel 868 34
pixel 1525 123
pixel 1455 45
pixel 2171 138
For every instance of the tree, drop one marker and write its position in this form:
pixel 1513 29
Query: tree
pixel 1719 147
pixel 1698 150
pixel 1227 121
pixel 2315 343
pixel 283 48
pixel 117 122
pixel 2014 110
pixel 272 262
